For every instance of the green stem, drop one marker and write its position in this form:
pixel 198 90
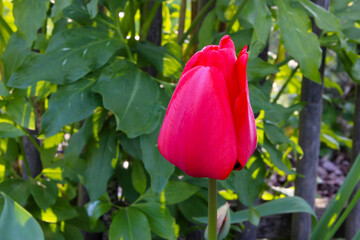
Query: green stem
pixel 5 26
pixel 132 22
pixel 285 84
pixel 36 145
pixel 196 20
pixel 212 210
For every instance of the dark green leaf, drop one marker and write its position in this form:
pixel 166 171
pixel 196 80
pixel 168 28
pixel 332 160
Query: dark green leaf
pixel 259 101
pixel 60 211
pixel 132 96
pixel 71 54
pixel 303 45
pixel 280 113
pixel 324 19
pixel 276 156
pixel 131 146
pixel 3 90
pixel 177 191
pixel 206 36
pixel 44 192
pixel 58 7
pixel 17 189
pixel 275 134
pixel 156 165
pixel 96 209
pixel 166 59
pixel 160 220
pixel 258 69
pixel 248 182
pixel 8 129
pixel 70 103
pixel 21 112
pixel 138 177
pixel 92 8
pixel 193 207
pixel 257 13
pixel 99 163
pixel 16 222
pixel 130 224
pixel 24 10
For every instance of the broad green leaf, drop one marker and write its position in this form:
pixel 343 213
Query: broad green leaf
pixel 60 211
pixel 72 232
pixel 132 96
pixel 258 69
pixel 193 207
pixel 303 45
pixel 8 129
pixel 156 165
pixel 331 84
pixel 276 156
pixel 324 19
pixel 278 206
pixel 9 150
pixel 3 91
pixel 259 101
pixel 254 216
pixel 21 112
pixel 49 148
pixel 257 13
pixel 70 103
pixel 44 192
pixel 16 222
pixel 96 209
pixel 333 211
pixel 70 55
pixel 138 177
pixel 275 134
pixel 131 146
pixel 166 59
pixel 58 7
pixel 14 55
pixel 29 17
pixel 240 38
pixel 177 191
pixel 248 182
pixel 92 8
pixel 206 36
pixel 279 113
pixel 130 224
pixel 99 168
pixel 160 220
pixel 17 189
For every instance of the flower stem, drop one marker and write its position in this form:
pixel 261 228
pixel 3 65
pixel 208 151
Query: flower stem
pixel 212 210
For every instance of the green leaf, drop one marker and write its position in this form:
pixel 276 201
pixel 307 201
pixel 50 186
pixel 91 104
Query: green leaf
pixel 60 211
pixel 282 114
pixel 96 209
pixel 257 13
pixel 160 220
pixel 130 224
pixel 49 148
pixel 278 206
pixel 21 112
pixel 58 7
pixel 254 216
pixel 99 163
pixel 70 103
pixel 3 90
pixel 44 192
pixel 248 182
pixel 17 189
pixel 9 150
pixel 8 129
pixel 16 222
pixel 259 101
pixel 206 35
pixel 303 45
pixel 258 69
pixel 275 134
pixel 24 10
pixel 166 59
pixel 276 156
pixel 193 207
pixel 92 8
pixel 131 146
pixel 138 177
pixel 177 191
pixel 70 55
pixel 14 55
pixel 156 165
pixel 132 96
pixel 324 19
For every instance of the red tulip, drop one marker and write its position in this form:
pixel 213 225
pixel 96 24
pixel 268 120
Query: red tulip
pixel 209 127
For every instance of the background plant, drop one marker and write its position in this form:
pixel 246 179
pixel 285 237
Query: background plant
pixel 85 85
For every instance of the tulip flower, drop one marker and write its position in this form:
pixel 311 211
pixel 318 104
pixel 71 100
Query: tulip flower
pixel 209 127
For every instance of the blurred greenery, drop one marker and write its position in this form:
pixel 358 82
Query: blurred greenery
pixel 84 82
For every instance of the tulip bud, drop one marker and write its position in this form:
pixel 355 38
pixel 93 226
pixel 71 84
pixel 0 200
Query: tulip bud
pixel 223 222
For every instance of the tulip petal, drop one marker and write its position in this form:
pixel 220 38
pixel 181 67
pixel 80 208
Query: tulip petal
pixel 198 134
pixel 193 61
pixel 226 42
